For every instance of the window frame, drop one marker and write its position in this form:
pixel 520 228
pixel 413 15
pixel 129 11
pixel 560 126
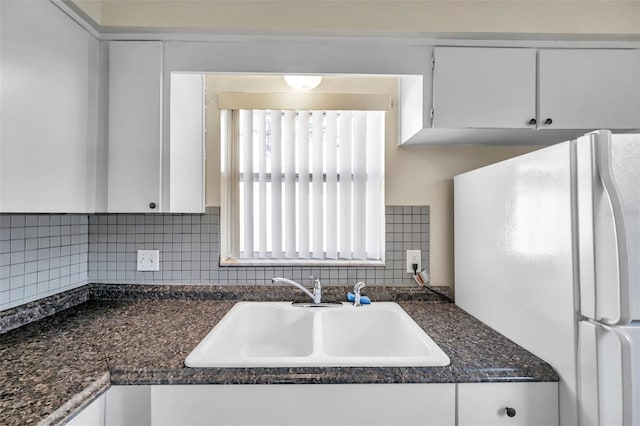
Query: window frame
pixel 230 198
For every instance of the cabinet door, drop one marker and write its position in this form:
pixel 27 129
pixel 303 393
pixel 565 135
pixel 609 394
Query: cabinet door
pixel 304 405
pixel 589 89
pixel 484 88
pixel 513 404
pixel 134 143
pixel 48 103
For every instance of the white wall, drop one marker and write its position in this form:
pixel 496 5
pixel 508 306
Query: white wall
pixel 414 176
pixel 262 56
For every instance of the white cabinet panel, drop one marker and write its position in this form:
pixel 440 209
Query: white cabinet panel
pixel 91 415
pixel 135 109
pixel 186 144
pixel 128 406
pixel 535 404
pixel 484 87
pixel 48 103
pixel 485 404
pixel 366 404
pixel 589 88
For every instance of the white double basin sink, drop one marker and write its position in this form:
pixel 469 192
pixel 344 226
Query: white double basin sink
pixel 280 334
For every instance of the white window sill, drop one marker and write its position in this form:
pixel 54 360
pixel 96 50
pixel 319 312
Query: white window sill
pixel 230 262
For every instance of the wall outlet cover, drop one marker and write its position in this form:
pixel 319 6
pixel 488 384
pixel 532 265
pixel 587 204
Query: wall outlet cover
pixel 148 260
pixel 413 256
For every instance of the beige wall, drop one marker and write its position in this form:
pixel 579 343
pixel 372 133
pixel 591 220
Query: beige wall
pixel 414 175
pixel 424 175
pixel 383 16
pixel 93 8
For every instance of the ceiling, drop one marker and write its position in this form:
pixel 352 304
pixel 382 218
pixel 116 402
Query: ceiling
pixel 619 19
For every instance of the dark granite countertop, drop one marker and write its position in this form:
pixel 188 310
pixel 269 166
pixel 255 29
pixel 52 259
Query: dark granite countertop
pixel 52 367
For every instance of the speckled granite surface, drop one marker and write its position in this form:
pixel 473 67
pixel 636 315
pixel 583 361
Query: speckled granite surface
pixel 48 362
pixel 258 293
pixel 33 311
pixel 24 314
pixel 43 365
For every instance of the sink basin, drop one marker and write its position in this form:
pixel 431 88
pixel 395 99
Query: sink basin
pixel 279 334
pixel 373 333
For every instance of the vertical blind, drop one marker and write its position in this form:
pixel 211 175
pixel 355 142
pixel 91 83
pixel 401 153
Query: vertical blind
pixel 310 184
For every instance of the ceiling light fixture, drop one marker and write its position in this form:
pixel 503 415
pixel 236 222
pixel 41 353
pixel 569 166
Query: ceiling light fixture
pixel 303 82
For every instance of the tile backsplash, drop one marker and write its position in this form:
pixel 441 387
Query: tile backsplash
pixel 41 255
pixel 189 251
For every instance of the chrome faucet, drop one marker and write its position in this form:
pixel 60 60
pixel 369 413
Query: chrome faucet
pixel 317 289
pixel 356 291
pixel 316 296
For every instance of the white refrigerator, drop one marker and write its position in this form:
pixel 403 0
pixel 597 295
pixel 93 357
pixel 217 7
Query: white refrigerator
pixel 547 252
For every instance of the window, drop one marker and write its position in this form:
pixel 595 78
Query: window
pixel 302 186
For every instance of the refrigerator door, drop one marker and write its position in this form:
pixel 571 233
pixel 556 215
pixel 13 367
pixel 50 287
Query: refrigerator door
pixel 609 374
pixel 514 257
pixel 608 216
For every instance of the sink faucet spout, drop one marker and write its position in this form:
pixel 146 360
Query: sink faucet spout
pixel 315 296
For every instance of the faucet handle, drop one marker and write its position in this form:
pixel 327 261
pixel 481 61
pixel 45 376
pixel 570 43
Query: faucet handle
pixel 316 281
pixel 317 289
pixel 356 290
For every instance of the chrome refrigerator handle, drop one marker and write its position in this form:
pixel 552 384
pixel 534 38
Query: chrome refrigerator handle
pixel 603 157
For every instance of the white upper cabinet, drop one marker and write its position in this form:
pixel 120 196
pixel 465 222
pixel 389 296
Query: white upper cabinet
pixel 589 88
pixel 484 88
pixel 511 88
pixel 135 127
pixel 48 110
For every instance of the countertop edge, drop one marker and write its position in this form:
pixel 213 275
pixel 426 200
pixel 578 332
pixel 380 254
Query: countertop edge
pixel 315 375
pixel 78 402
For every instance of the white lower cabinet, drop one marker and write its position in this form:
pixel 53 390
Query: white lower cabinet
pixel 300 405
pixel 512 404
pixel 357 404
pixel 478 404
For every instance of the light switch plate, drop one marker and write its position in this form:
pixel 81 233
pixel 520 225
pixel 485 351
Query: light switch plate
pixel 148 260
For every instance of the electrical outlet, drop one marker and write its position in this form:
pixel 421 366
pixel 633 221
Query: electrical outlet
pixel 413 256
pixel 148 260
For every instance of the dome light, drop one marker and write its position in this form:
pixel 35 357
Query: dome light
pixel 303 82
